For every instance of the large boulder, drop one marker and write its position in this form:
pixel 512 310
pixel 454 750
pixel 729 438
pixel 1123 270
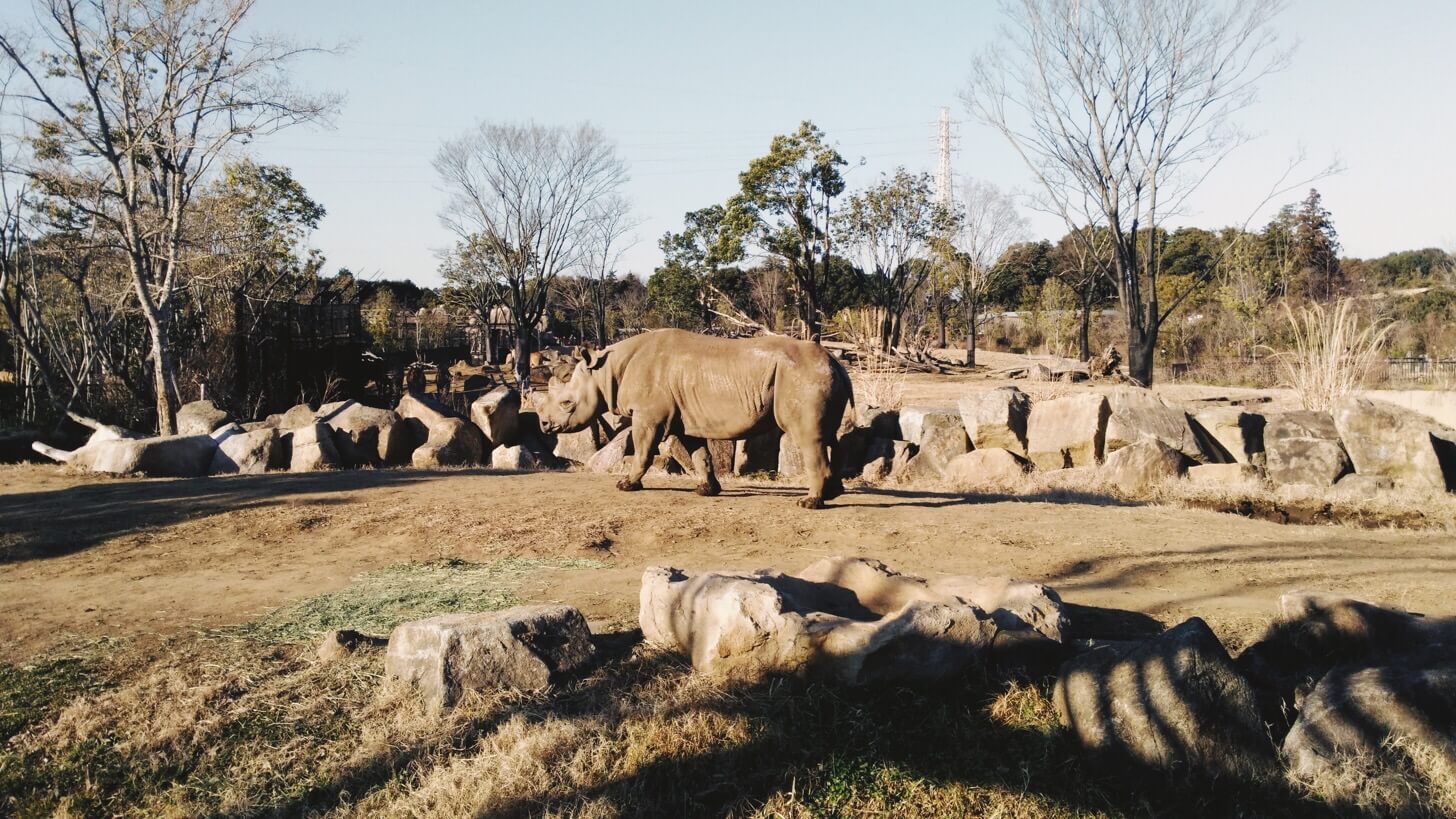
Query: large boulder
pixel 1317 632
pixel 940 437
pixel 1174 702
pixel 722 454
pixel 886 458
pixel 996 419
pixel 1379 735
pixel 313 448
pixel 248 452
pixel 987 467
pixel 512 458
pixel 1405 446
pixel 201 418
pixel 1138 414
pixel 1237 433
pixel 526 648
pixel 757 453
pixel 441 437
pixel 173 456
pixel 1144 465
pixel 367 436
pixel 452 442
pixel 881 422
pixel 850 621
pixel 296 417
pixel 1304 447
pixel 578 447
pixel 497 414
pixel 610 456
pixel 1067 432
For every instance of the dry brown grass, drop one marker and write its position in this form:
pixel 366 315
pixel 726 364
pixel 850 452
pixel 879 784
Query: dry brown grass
pixel 1336 352
pixel 1419 783
pixel 878 384
pixel 237 727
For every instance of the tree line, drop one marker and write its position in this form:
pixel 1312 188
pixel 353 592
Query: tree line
pixel 145 256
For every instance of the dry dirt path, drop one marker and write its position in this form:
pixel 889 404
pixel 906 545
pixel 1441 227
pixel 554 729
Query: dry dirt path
pixel 82 557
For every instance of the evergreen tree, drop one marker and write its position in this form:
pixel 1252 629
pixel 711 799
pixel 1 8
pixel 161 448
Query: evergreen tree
pixel 1315 250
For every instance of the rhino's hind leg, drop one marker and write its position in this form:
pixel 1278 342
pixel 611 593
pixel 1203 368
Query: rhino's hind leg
pixel 708 485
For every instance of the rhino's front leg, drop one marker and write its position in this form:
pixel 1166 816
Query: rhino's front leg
pixel 646 435
pixel 816 471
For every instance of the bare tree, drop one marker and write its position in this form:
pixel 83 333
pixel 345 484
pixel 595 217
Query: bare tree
pixel 1121 108
pixel 986 225
pixel 884 228
pixel 1081 264
pixel 609 222
pixel 130 104
pixel 522 196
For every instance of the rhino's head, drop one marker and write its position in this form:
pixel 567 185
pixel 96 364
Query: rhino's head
pixel 572 404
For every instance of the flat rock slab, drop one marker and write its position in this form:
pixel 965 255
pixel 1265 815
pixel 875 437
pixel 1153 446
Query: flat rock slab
pixel 996 419
pixel 1237 433
pixel 173 456
pixel 1175 702
pixel 1396 443
pixel 847 620
pixel 497 414
pixel 526 648
pixel 245 452
pixel 1304 448
pixel 1144 465
pixel 201 418
pixel 1227 475
pixel 987 467
pixel 1067 432
pixel 1138 414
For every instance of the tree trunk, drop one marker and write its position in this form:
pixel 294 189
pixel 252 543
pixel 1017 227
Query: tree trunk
pixel 940 312
pixel 1142 347
pixel 971 331
pixel 164 382
pixel 240 353
pixel 523 357
pixel 1084 346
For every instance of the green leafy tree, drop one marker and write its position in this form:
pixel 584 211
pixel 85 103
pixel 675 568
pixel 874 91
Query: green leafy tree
pixel 697 253
pixel 784 208
pixel 675 294
pixel 885 228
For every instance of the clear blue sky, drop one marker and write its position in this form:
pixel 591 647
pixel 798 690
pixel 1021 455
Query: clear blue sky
pixel 693 91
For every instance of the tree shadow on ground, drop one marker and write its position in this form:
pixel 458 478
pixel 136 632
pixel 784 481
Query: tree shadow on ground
pixel 52 523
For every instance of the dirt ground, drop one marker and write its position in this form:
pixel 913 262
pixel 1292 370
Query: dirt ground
pixel 83 557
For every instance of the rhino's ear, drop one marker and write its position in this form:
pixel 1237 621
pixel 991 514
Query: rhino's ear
pixel 594 359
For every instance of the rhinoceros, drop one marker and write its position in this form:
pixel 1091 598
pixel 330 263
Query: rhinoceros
pixel 700 388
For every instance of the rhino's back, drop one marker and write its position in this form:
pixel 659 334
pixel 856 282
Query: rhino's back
pixel 717 387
